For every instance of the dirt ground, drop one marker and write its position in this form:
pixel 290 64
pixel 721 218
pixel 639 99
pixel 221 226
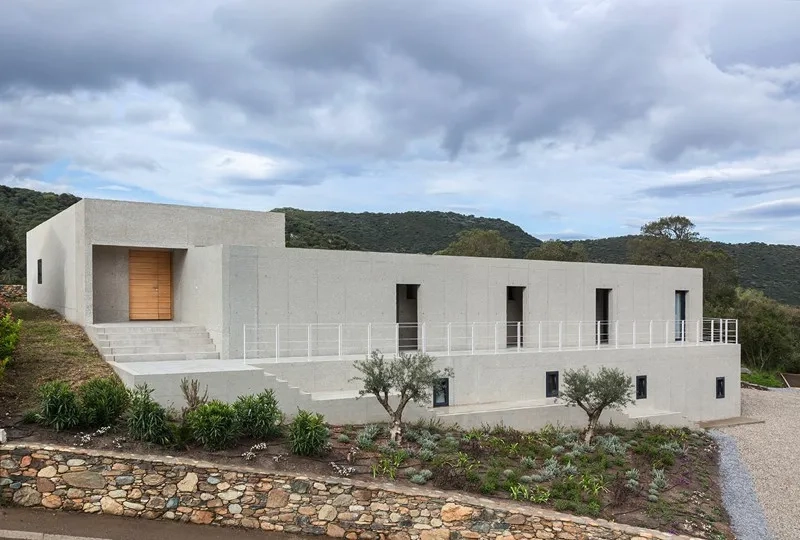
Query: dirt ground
pixel 49 348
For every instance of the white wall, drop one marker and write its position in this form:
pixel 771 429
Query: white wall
pixel 302 286
pixel 55 242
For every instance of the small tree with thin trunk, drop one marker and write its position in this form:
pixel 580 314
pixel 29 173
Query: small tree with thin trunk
pixel 608 388
pixel 409 377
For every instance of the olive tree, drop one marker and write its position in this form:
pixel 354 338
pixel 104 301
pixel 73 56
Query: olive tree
pixel 409 377
pixel 607 388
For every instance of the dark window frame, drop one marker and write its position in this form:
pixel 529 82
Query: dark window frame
pixel 641 387
pixel 720 387
pixel 39 271
pixel 442 385
pixel 551 383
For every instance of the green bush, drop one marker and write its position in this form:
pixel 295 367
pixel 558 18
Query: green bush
pixel 215 425
pixel 60 407
pixel 9 335
pixel 103 401
pixel 308 434
pixel 259 416
pixel 147 420
pixel 3 364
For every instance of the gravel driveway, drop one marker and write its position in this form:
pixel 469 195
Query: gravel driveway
pixel 771 452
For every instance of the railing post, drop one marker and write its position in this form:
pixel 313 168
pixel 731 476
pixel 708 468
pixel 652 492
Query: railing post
pixel 597 336
pixel 698 330
pixel 650 332
pixel 472 338
pixel 495 337
pixel 449 334
pixel 423 338
pixel 277 341
pixel 736 330
pixel 633 339
pixel 683 333
pixel 540 336
pixel 397 338
pixel 712 330
pixel 519 335
pixel 560 337
pixel 369 339
pixel 340 340
pixel 580 325
pixel 244 343
pixel 308 340
pixel 725 336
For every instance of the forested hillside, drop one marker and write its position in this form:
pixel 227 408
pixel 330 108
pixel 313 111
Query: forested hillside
pixel 26 209
pixel 405 232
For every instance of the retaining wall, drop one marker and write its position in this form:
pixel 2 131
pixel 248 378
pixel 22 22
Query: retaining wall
pixel 185 490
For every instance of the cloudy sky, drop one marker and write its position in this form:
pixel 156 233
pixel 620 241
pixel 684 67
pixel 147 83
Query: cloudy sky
pixel 572 118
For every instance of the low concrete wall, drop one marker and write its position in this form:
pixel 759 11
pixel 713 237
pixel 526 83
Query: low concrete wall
pixel 165 488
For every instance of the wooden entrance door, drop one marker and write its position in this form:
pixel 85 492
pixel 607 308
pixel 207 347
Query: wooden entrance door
pixel 150 284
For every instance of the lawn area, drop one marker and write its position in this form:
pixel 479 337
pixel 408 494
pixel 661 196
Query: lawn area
pixel 763 378
pixel 49 348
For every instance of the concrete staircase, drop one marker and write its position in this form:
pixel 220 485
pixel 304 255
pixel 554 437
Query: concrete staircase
pixel 123 343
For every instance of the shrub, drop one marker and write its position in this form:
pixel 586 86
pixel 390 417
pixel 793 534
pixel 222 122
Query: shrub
pixel 3 364
pixel 418 479
pixel 191 393
pixel 343 438
pixel 528 462
pixel 147 420
pixel 426 455
pixel 765 378
pixel 103 401
pixel 214 425
pixel 9 335
pixel 259 416
pixel 308 434
pixel 613 445
pixel 60 407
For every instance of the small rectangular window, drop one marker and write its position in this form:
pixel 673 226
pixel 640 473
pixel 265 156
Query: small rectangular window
pixel 641 387
pixel 720 387
pixel 39 271
pixel 551 384
pixel 441 393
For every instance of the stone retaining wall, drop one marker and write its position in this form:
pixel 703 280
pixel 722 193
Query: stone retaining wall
pixel 13 293
pixel 184 490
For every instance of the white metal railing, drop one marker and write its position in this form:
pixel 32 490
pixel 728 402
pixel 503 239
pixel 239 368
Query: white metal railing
pixel 292 341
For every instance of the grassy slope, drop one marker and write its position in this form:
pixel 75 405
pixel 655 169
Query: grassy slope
pixel 49 348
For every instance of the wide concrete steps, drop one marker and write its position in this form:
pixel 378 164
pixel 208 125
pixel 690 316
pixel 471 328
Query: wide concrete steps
pixel 153 342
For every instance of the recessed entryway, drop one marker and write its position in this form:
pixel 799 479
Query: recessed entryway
pixel 603 315
pixel 408 317
pixel 514 321
pixel 150 285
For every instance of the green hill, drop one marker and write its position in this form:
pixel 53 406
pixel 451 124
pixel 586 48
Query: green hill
pixel 404 232
pixel 28 208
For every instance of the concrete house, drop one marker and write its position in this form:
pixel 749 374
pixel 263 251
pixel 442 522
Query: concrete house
pixel 170 292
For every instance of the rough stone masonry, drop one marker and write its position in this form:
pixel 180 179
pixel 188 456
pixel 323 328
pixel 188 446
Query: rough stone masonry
pixel 185 490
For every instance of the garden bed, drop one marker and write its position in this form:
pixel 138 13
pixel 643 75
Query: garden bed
pixel 551 468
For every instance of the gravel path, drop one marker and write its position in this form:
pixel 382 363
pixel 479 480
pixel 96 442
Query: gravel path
pixel 738 494
pixel 771 452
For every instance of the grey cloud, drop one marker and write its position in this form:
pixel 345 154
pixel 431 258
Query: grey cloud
pixel 742 186
pixel 779 209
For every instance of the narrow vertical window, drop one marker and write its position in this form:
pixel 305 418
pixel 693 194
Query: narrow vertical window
pixel 39 271
pixel 680 315
pixel 641 387
pixel 720 387
pixel 551 384
pixel 441 393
